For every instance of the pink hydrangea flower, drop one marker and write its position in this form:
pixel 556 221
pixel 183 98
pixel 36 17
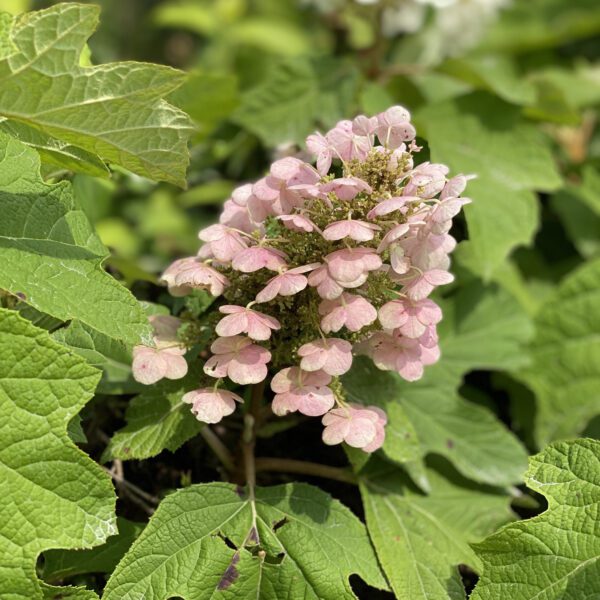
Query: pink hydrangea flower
pixel 394 127
pixel 166 359
pixel 411 319
pixel 317 144
pixel 236 217
pixel 186 274
pixel 392 236
pixel 376 225
pixel 447 209
pixel 327 287
pixel 346 144
pixel 350 266
pixel 349 310
pixel 346 188
pixel 393 352
pixel 455 186
pixel 302 391
pixel 365 126
pixel 287 184
pixel 332 355
pixel 245 320
pixel 258 257
pixel 210 405
pixel 426 180
pixel 360 231
pixel 225 242
pixel 360 427
pixel 385 207
pixel 239 359
pixel 297 222
pixel 153 364
pixel 287 283
pixel 420 284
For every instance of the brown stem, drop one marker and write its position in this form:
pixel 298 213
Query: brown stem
pixel 135 494
pixel 251 424
pixel 286 465
pixel 218 447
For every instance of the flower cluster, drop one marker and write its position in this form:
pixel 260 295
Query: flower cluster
pixel 320 263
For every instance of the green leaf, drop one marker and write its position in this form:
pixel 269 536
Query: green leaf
pixel 535 24
pixel 421 539
pixel 56 152
pixel 580 85
pixel 54 496
pixel 157 420
pixel 50 253
pixel 578 207
pixel 296 96
pixel 112 112
pixel 495 73
pixel 60 564
pixel 481 134
pixel 556 555
pixel 483 328
pixel 208 98
pixel 111 356
pixel 565 369
pixel 300 544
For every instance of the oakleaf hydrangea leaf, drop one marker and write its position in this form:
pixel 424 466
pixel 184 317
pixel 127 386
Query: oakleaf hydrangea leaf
pixel 51 256
pixel 565 370
pixel 157 419
pixel 294 96
pixel 112 356
pixel 483 328
pixel 556 555
pixel 203 542
pixel 53 495
pixel 421 539
pixel 481 134
pixel 113 113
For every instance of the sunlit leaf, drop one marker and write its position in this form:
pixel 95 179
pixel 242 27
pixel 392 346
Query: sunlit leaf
pixel 53 495
pixel 556 555
pixel 204 542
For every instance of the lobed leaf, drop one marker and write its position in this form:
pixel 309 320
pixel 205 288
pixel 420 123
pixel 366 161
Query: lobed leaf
pixel 51 255
pixel 556 555
pixel 214 541
pixel 80 116
pixel 565 369
pixel 421 539
pixel 481 134
pixel 482 329
pixel 53 495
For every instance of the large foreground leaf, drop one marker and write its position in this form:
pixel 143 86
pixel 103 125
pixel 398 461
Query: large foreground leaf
pixel 300 544
pixel 482 135
pixel 565 373
pixel 50 254
pixel 421 539
pixel 112 113
pixel 53 495
pixel 482 329
pixel 556 555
